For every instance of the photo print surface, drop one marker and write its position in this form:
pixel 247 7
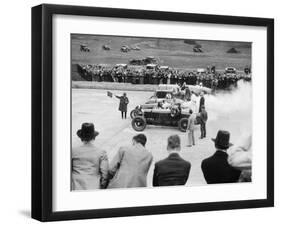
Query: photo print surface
pixel 151 112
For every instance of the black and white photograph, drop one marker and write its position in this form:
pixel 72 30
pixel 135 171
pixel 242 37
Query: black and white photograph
pixel 149 112
pixel 143 112
pixel 140 113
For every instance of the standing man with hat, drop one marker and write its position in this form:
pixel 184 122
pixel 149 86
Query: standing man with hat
pixel 124 101
pixel 216 168
pixel 89 162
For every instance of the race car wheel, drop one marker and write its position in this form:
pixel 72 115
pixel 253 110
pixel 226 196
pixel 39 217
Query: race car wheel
pixel 183 124
pixel 139 123
pixel 134 113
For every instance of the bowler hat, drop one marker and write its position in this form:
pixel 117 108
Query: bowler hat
pixel 87 132
pixel 222 140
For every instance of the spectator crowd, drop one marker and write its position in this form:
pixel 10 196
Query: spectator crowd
pixel 161 75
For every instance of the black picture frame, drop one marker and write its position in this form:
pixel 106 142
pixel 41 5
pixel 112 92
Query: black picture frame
pixel 42 107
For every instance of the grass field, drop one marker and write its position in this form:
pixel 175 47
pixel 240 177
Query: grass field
pixel 172 52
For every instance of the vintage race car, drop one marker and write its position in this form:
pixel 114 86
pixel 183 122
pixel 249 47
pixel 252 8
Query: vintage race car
pixel 163 91
pixel 174 117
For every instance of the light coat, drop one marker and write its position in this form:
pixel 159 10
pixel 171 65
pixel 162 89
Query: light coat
pixel 89 168
pixel 129 167
pixel 190 129
pixel 191 122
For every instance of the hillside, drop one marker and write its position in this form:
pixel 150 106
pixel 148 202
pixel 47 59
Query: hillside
pixel 172 52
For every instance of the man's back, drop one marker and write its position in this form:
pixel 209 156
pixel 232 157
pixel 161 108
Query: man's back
pixel 171 171
pixel 136 159
pixel 217 170
pixel 130 167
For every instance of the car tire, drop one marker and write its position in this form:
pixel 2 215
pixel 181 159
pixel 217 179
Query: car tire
pixel 182 124
pixel 139 123
pixel 134 113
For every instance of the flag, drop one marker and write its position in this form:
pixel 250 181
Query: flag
pixel 109 94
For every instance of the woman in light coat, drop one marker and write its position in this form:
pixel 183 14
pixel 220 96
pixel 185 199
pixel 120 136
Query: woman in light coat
pixel 89 163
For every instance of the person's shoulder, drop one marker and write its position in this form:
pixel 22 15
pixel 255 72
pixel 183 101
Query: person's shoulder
pixel 185 162
pixel 149 154
pixel 99 150
pixel 75 149
pixel 124 149
pixel 103 152
pixel 207 160
pixel 79 149
pixel 162 161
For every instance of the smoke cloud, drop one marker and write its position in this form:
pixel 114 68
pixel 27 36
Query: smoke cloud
pixel 232 109
pixel 238 101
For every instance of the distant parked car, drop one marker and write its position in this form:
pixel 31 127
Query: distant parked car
pixel 135 48
pixel 136 62
pixel 144 61
pixel 230 71
pixel 201 71
pixel 197 50
pixel 150 60
pixel 125 49
pixel 121 66
pixel 106 47
pixel 84 48
pixel 164 68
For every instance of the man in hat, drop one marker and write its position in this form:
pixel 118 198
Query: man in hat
pixel 216 168
pixel 89 162
pixel 124 101
pixel 172 170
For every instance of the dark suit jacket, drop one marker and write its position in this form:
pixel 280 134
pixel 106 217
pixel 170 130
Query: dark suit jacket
pixel 217 170
pixel 204 116
pixel 201 103
pixel 123 103
pixel 171 171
